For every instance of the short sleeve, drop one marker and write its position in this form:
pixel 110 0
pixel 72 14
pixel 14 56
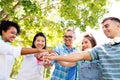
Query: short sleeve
pixel 6 49
pixel 94 53
pixel 17 51
pixel 56 49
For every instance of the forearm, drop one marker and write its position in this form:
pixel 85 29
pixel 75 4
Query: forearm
pixel 25 51
pixel 67 64
pixel 69 58
pixel 74 57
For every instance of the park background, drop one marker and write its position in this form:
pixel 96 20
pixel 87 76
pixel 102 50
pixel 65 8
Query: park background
pixel 53 17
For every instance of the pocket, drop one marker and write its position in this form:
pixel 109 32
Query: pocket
pixel 96 71
pixel 90 71
pixel 85 71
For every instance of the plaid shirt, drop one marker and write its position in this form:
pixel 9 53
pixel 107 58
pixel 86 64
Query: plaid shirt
pixel 60 72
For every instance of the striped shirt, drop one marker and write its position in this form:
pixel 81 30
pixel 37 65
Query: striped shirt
pixel 109 56
pixel 60 72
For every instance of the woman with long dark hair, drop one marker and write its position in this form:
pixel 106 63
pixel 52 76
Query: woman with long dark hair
pixel 32 68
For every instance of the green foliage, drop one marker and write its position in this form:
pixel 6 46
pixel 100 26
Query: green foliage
pixel 83 12
pixel 16 66
pixel 51 17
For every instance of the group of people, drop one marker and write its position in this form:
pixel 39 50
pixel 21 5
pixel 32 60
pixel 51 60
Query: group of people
pixel 91 63
pixel 8 32
pixel 108 54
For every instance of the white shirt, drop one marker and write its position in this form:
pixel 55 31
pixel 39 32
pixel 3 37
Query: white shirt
pixel 115 40
pixel 30 69
pixel 7 55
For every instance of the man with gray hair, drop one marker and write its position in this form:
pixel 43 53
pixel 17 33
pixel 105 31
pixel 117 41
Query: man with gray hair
pixel 60 72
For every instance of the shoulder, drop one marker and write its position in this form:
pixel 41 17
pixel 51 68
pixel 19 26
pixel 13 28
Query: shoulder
pixel 59 46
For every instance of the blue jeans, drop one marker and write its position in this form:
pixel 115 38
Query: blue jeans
pixel 90 71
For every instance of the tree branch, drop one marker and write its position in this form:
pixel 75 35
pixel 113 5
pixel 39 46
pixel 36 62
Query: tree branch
pixel 17 4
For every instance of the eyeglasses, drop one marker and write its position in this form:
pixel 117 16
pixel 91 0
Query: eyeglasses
pixel 68 37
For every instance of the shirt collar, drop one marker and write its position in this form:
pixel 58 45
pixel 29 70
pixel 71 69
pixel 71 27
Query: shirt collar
pixel 3 41
pixel 114 41
pixel 68 48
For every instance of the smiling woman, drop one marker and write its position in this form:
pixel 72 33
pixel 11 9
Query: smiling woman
pixel 88 70
pixel 10 35
pixel 32 67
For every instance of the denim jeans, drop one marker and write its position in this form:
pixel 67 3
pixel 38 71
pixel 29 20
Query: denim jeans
pixel 90 71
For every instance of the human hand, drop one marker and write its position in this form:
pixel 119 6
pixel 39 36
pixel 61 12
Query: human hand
pixel 42 50
pixel 40 56
pixel 51 56
pixel 46 50
pixel 50 51
pixel 47 63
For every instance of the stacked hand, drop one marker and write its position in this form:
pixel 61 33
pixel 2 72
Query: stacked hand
pixel 46 56
pixel 51 56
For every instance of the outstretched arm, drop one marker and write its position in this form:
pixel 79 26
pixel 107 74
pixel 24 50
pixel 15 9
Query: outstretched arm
pixel 11 50
pixel 25 51
pixel 63 63
pixel 76 56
